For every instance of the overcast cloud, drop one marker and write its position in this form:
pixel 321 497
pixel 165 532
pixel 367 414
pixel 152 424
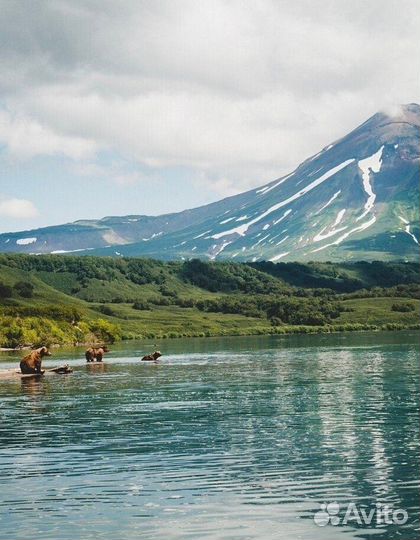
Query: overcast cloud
pixel 237 92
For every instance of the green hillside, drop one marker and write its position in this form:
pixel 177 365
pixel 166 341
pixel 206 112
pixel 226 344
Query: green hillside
pixel 67 300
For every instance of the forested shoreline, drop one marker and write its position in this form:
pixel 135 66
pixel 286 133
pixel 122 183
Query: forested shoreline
pixel 59 300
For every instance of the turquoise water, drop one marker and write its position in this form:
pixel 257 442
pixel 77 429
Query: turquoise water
pixel 234 438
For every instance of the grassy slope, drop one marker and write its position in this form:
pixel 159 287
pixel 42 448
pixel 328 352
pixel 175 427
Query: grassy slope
pixel 174 321
pixel 378 311
pixel 45 294
pixel 54 288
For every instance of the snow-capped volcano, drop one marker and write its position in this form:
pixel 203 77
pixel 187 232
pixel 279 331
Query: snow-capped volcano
pixel 356 199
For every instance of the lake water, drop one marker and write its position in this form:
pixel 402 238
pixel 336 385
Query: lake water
pixel 233 438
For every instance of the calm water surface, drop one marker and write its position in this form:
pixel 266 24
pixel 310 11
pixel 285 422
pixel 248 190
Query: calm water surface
pixel 238 438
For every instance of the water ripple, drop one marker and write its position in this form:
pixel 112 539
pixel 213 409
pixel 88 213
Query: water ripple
pixel 212 444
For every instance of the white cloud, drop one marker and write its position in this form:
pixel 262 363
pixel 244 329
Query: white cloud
pixel 17 208
pixel 240 91
pixel 26 137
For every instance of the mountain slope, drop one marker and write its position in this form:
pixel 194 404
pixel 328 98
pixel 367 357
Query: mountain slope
pixel 356 199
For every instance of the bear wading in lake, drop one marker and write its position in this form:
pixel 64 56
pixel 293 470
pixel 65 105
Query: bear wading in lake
pixel 152 357
pixel 97 354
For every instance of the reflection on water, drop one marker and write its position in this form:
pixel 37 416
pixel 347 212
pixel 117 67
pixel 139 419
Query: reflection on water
pixel 96 367
pixel 226 439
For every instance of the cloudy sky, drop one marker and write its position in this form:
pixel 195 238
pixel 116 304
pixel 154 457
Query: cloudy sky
pixel 130 107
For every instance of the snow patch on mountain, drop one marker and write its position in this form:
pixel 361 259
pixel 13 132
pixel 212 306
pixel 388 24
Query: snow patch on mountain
pixel 279 256
pixel 282 217
pixel 261 240
pixel 241 230
pixel 26 241
pixel 370 164
pixel 339 217
pixel 153 236
pixel 407 229
pixel 347 234
pixel 320 236
pixel 60 251
pixel 282 240
pixel 336 194
pixel 219 249
pixel 313 173
pixel 202 234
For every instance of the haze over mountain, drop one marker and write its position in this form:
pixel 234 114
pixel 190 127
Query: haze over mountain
pixel 355 199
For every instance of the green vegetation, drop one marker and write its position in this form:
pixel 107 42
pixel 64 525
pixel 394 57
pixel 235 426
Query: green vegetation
pixel 66 300
pixel 342 277
pixel 403 307
pixel 24 289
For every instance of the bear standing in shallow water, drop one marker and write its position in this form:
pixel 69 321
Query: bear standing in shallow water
pixel 93 354
pixel 32 362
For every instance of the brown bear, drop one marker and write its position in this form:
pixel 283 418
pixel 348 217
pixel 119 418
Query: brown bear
pixel 93 354
pixel 152 357
pixel 31 363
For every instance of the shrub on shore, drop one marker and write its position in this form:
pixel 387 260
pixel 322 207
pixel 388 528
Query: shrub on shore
pixel 403 307
pixel 36 331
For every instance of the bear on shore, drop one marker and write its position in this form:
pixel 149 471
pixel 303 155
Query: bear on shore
pixel 32 362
